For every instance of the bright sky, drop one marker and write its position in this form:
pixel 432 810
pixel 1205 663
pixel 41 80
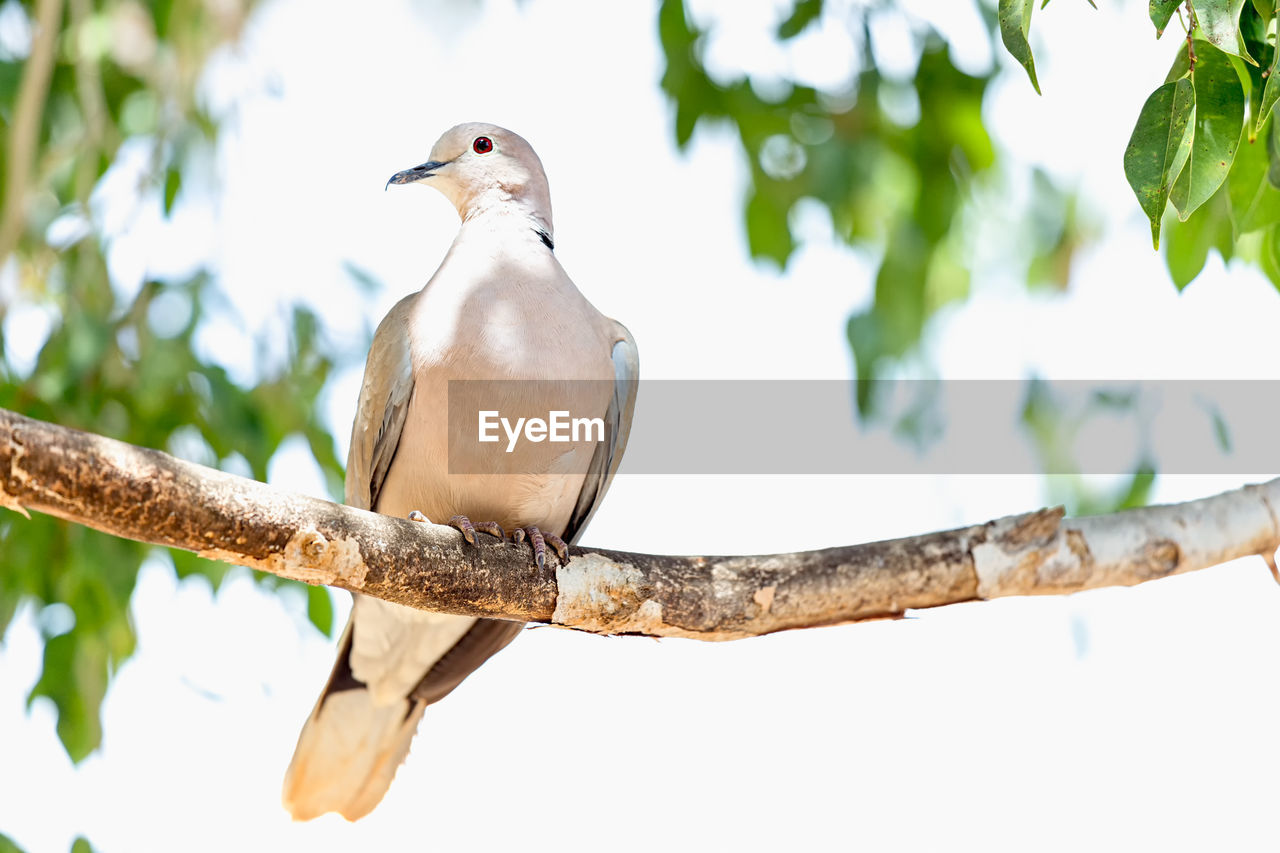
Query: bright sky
pixel 1134 718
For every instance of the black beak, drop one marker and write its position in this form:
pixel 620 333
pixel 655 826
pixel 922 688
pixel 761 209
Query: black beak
pixel 417 173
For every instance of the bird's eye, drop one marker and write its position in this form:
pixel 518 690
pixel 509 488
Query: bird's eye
pixel 482 145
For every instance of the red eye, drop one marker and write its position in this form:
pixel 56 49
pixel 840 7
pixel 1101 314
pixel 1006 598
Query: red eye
pixel 482 145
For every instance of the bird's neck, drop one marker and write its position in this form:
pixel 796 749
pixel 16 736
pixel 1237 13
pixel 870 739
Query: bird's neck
pixel 498 208
pixel 503 231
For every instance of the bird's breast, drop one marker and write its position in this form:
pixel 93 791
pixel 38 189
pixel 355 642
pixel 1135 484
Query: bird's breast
pixel 522 349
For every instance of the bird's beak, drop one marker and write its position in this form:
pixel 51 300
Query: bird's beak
pixel 417 173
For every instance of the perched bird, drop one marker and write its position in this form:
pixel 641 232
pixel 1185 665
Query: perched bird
pixel 500 307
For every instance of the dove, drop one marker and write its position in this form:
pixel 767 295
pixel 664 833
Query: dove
pixel 500 308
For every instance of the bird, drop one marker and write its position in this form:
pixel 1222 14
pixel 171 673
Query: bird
pixel 499 307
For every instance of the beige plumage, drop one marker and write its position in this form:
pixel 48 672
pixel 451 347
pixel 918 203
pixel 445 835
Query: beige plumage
pixel 499 307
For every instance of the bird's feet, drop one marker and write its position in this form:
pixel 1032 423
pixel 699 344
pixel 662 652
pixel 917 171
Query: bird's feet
pixel 466 526
pixel 540 540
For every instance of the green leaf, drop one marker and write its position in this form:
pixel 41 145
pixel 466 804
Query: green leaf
pixel 1216 127
pixel 10 76
pixel 1273 154
pixel 81 845
pixel 1188 243
pixel 320 609
pixel 1220 22
pixel 1270 92
pixel 1255 203
pixel 768 234
pixel 1270 255
pixel 186 564
pixel 893 324
pixel 172 183
pixel 1253 29
pixel 804 13
pixel 364 279
pixel 1015 24
pixel 1159 148
pixel 1139 492
pixel 8 845
pixel 1181 66
pixel 1265 8
pixel 75 678
pixel 1161 11
pixel 1221 429
pixel 683 79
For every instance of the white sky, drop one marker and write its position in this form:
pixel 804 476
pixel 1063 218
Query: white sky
pixel 1114 719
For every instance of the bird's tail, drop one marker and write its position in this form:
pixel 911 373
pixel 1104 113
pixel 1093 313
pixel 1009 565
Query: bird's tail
pixel 350 747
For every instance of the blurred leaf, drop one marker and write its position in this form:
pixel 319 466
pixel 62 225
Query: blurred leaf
pixel 74 677
pixel 1255 203
pixel 172 183
pixel 1188 243
pixel 804 13
pixel 1270 255
pixel 8 845
pixel 894 322
pixel 1219 116
pixel 1273 154
pixel 885 180
pixel 1138 492
pixel 81 845
pixel 1221 430
pixel 365 280
pixel 320 609
pixel 682 79
pixel 1055 233
pixel 1159 148
pixel 1015 25
pixel 186 564
pixel 767 231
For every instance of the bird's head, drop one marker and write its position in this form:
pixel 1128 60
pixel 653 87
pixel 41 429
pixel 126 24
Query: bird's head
pixel 478 166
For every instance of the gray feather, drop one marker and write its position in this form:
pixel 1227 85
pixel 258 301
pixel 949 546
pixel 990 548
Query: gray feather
pixel 617 429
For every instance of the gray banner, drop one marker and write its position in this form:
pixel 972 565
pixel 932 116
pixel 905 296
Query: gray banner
pixel 921 427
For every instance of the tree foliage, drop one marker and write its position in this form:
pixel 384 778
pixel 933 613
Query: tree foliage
pixel 1205 142
pixel 899 183
pixel 95 95
pixel 904 187
pixel 911 188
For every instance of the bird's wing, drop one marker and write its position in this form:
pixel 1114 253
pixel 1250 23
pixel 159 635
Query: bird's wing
pixel 383 408
pixel 617 428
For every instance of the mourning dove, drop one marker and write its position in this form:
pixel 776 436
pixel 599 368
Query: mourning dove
pixel 500 307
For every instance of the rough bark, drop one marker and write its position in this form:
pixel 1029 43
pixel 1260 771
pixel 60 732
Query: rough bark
pixel 152 497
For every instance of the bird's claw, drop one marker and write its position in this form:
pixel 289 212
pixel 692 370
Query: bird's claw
pixel 468 528
pixel 539 541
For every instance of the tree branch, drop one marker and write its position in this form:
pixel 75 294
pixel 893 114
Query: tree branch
pixel 152 497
